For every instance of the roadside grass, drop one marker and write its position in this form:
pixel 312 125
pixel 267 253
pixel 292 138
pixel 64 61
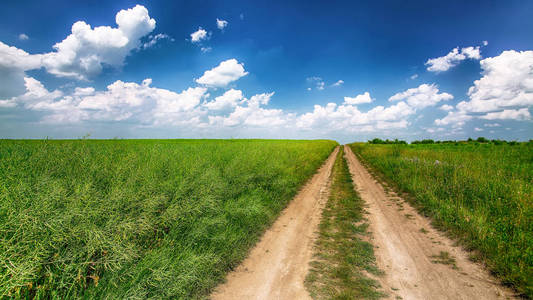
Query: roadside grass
pixel 343 259
pixel 138 219
pixel 481 194
pixel 445 258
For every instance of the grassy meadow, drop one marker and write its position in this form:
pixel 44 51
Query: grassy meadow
pixel 480 193
pixel 139 218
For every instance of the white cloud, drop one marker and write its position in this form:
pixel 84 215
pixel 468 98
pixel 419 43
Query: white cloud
pixel 414 76
pixel 508 114
pixel 338 83
pixel 121 101
pixel 446 107
pixel 83 53
pixel 78 91
pixel 485 43
pixel 23 37
pixel 471 52
pixel 7 103
pixel 454 118
pixel 492 125
pixel 198 35
pixel 347 117
pixel 317 82
pixel 13 63
pixel 477 129
pixel 359 99
pixel 505 91
pixel 206 49
pixel 507 82
pixel 221 24
pixel 253 114
pixel 435 130
pixel 223 74
pixel 36 96
pixel 423 96
pixel 154 39
pixel 228 100
pixel 444 63
pixel 147 106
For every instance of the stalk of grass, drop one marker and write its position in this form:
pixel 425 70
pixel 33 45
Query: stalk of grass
pixel 482 194
pixel 342 259
pixel 139 219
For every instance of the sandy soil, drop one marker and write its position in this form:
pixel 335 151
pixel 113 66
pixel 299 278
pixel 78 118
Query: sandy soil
pixel 404 251
pixel 277 266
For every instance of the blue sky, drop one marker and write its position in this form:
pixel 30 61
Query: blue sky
pixel 312 69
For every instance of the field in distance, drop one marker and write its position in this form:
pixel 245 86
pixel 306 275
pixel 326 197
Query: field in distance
pixel 480 193
pixel 139 218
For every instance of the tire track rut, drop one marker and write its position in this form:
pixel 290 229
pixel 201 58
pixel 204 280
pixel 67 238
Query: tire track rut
pixel 276 267
pixel 419 261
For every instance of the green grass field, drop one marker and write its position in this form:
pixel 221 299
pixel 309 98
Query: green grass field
pixel 139 218
pixel 481 194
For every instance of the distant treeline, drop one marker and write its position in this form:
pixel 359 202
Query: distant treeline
pixel 430 141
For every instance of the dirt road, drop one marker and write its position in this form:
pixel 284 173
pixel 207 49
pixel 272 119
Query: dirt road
pixel 277 266
pixel 413 254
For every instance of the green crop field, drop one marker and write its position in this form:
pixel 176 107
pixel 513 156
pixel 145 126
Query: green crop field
pixel 139 218
pixel 481 194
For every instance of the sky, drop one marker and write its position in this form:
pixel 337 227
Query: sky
pixel 342 70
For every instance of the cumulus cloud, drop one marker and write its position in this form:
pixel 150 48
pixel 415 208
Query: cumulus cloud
pixel 444 63
pixel 121 101
pixel 508 114
pixel 86 50
pixel 228 100
pixel 143 105
pixel 348 117
pixel 454 118
pixel 359 99
pixel 82 54
pixel 221 24
pixel 199 35
pixel 23 37
pixel 504 92
pixel 446 107
pixel 36 96
pixel 253 114
pixel 220 76
pixel 13 64
pixel 422 96
pixel 507 82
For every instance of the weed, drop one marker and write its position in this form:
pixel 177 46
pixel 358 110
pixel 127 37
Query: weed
pixel 444 258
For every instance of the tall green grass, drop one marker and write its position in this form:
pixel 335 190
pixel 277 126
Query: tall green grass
pixel 481 193
pixel 139 218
